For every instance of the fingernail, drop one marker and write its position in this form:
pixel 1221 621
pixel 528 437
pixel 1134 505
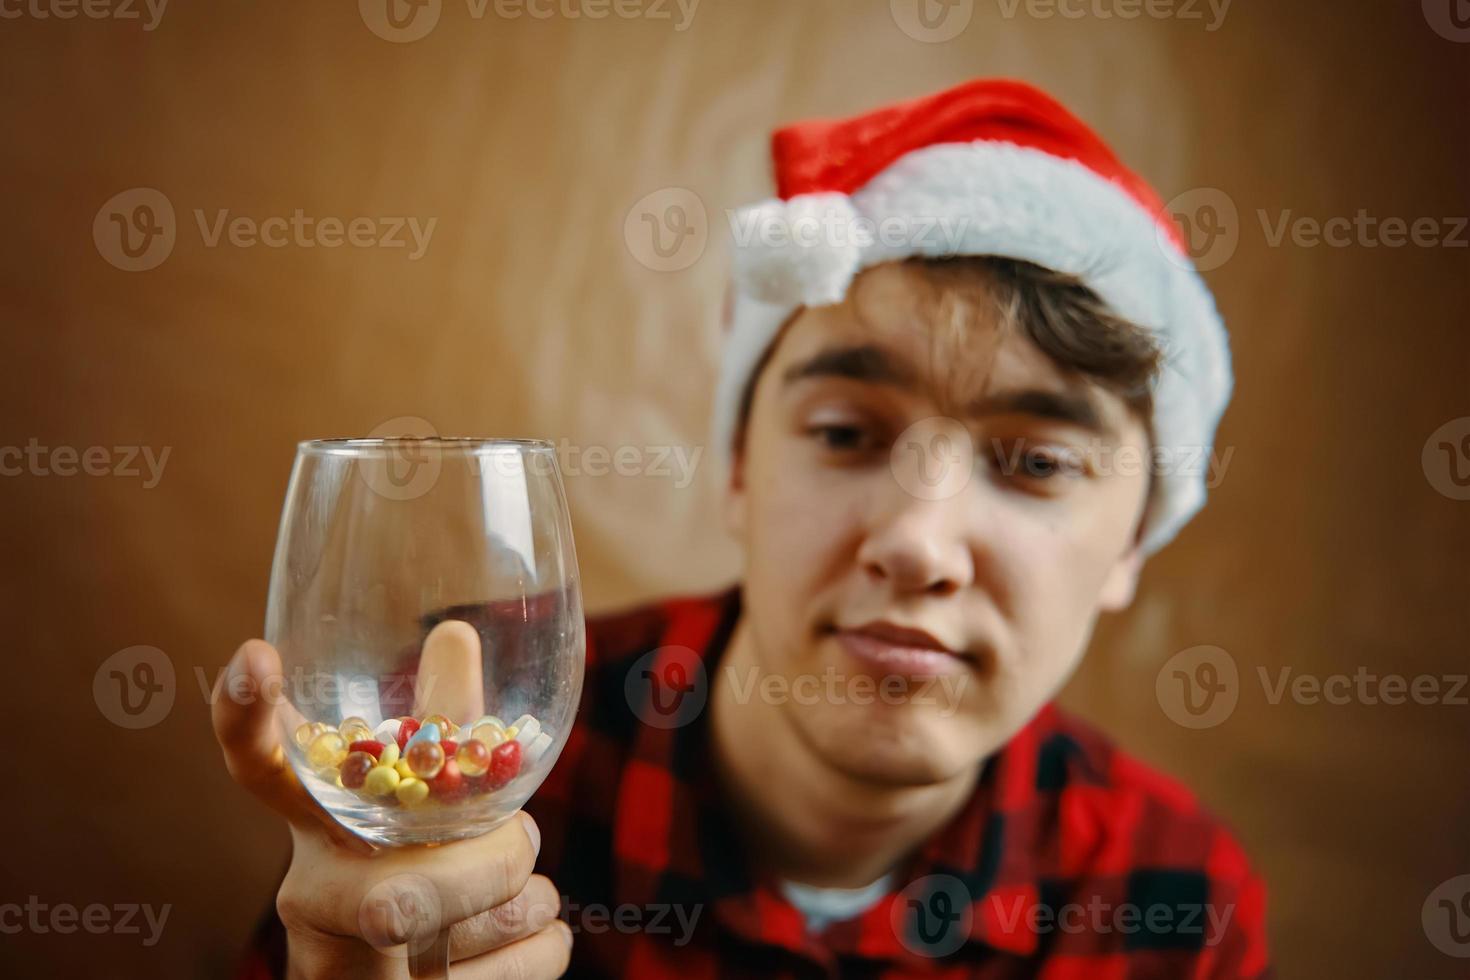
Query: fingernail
pixel 533 832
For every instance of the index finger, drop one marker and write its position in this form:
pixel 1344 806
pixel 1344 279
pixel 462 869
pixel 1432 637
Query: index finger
pixel 451 678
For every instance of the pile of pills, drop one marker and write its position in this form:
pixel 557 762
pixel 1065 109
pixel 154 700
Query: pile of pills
pixel 411 761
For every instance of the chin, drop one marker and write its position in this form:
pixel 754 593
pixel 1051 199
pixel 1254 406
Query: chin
pixel 895 745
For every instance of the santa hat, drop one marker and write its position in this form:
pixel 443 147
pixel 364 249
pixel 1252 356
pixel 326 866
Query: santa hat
pixel 992 167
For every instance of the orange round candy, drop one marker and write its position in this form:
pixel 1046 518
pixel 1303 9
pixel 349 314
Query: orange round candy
pixel 355 769
pixel 473 758
pixel 425 759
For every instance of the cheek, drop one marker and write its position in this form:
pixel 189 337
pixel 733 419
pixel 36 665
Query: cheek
pixel 805 523
pixel 1058 568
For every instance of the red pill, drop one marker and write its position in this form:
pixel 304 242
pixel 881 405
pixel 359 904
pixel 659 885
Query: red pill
pixel 355 769
pixel 505 763
pixel 371 746
pixel 449 784
pixel 406 730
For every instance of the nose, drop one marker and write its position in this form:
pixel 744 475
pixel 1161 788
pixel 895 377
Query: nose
pixel 920 549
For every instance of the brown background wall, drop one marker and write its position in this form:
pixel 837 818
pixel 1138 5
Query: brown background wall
pixel 1326 548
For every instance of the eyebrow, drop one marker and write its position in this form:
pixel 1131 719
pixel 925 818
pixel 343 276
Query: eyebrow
pixel 871 364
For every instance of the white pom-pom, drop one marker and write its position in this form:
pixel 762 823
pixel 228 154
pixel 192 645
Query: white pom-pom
pixel 804 251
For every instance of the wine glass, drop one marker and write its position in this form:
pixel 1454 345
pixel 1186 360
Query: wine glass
pixel 426 605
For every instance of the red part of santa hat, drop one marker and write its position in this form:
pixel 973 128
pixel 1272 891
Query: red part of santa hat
pixel 991 167
pixel 841 155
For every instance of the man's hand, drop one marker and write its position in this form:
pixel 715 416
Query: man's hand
pixel 352 910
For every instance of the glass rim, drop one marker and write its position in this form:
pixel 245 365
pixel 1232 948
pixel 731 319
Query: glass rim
pixel 357 446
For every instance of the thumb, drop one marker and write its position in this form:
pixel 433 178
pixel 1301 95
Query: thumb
pixel 247 699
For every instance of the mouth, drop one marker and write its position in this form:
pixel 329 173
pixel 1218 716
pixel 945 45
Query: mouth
pixel 901 649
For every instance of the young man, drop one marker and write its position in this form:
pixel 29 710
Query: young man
pixel 962 346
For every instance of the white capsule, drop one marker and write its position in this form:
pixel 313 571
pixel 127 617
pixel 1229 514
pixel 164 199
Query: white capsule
pixel 527 728
pixel 388 730
pixel 537 748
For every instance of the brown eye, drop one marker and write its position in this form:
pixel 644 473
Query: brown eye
pixel 839 438
pixel 1041 465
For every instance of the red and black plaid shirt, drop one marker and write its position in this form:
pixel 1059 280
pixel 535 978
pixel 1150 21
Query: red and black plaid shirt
pixel 1071 860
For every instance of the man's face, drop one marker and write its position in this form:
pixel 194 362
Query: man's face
pixel 1007 569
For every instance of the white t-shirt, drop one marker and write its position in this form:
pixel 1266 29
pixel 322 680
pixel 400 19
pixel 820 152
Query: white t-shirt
pixel 823 906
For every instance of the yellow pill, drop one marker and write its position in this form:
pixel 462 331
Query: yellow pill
pixel 381 781
pixel 412 792
pixel 305 733
pixel 492 733
pixel 353 721
pixel 390 754
pixel 354 733
pixel 326 750
pixel 511 732
pixel 403 771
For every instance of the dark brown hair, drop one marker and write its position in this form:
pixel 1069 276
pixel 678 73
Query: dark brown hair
pixel 1056 312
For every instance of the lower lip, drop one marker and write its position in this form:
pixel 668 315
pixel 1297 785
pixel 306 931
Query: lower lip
pixel 897 659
